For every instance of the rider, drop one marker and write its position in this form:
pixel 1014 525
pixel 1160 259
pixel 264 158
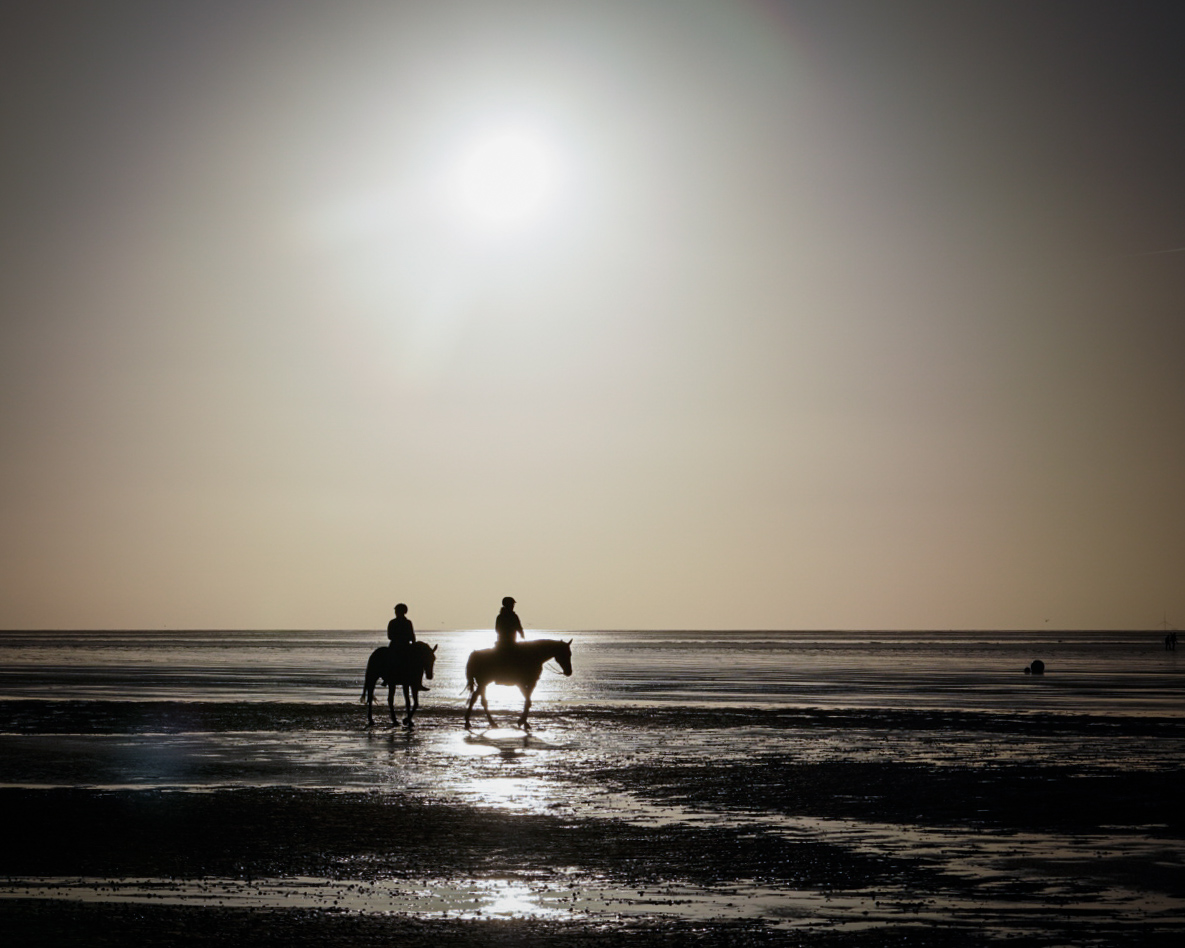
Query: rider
pixel 507 625
pixel 402 636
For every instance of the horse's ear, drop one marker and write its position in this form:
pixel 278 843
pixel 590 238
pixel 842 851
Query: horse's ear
pixel 569 642
pixel 436 646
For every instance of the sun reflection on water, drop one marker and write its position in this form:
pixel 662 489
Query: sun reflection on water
pixel 509 899
pixel 509 793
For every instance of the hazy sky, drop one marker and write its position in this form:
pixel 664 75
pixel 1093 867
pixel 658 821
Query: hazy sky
pixel 650 314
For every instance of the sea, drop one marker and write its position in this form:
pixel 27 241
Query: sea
pixel 1123 673
pixel 78 712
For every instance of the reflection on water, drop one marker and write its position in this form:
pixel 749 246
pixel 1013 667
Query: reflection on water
pixel 574 898
pixel 514 900
pixel 441 755
pixel 508 742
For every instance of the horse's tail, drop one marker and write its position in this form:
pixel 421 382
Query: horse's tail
pixel 470 679
pixel 370 678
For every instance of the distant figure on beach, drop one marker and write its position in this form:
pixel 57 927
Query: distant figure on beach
pixel 402 635
pixel 1037 668
pixel 1170 642
pixel 507 625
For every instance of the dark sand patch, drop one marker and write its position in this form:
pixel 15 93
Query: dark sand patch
pixel 1019 797
pixel 250 834
pixel 267 832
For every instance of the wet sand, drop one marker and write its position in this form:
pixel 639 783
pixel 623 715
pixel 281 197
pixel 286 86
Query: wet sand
pixel 666 827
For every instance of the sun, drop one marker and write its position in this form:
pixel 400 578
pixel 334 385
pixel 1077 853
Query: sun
pixel 505 180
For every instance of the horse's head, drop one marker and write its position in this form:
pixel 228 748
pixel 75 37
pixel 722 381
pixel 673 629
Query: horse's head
pixel 429 655
pixel 563 655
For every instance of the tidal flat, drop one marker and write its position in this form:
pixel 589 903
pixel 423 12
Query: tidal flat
pixel 194 823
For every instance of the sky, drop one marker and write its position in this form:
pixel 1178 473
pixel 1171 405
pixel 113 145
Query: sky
pixel 650 314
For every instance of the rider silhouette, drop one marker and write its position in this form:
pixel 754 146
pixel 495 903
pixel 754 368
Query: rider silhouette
pixel 402 636
pixel 507 625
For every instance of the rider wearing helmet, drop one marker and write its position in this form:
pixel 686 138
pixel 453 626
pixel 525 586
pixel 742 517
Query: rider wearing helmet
pixel 507 625
pixel 402 636
pixel 400 632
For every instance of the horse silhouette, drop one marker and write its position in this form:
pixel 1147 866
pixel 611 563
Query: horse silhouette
pixel 519 665
pixel 397 666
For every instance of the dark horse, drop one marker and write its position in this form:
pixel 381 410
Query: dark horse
pixel 398 667
pixel 513 665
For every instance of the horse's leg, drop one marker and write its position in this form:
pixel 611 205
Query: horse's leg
pixel 391 702
pixel 407 705
pixel 469 707
pixel 368 691
pixel 522 720
pixel 486 705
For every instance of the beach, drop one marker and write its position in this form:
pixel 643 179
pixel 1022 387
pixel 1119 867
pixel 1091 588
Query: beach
pixel 798 381
pixel 689 805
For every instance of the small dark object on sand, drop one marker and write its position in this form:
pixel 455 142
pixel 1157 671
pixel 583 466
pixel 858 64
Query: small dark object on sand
pixel 1037 668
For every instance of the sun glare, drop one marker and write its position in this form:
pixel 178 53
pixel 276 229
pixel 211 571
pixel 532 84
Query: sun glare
pixel 506 180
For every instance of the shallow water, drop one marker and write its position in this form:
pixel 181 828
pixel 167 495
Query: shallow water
pixel 1016 876
pixel 286 716
pixel 1013 880
pixel 1087 672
